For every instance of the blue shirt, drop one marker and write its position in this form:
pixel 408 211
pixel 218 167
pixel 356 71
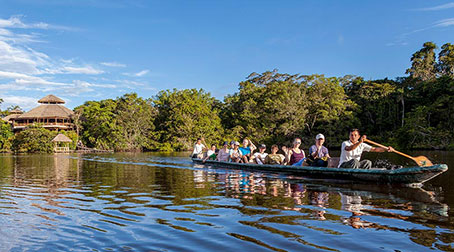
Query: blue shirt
pixel 245 150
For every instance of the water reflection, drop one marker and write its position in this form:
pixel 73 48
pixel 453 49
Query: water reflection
pixel 148 202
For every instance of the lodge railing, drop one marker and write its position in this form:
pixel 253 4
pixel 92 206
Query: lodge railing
pixel 44 124
pixel 61 149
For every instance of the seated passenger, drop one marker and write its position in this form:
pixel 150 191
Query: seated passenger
pixel 224 153
pixel 211 153
pixel 199 147
pixel 295 156
pixel 247 149
pixel 318 154
pixel 232 145
pixel 235 153
pixel 274 158
pixel 259 157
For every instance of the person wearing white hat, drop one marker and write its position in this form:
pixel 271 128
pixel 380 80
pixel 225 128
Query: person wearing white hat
pixel 235 153
pixel 319 154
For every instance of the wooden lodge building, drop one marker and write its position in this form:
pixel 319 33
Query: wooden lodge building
pixel 51 114
pixel 12 114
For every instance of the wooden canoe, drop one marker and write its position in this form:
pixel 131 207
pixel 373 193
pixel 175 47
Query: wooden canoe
pixel 405 176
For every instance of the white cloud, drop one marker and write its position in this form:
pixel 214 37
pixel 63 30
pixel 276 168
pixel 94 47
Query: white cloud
pixel 113 64
pixel 39 81
pixel 78 87
pixel 141 73
pixel 88 84
pixel 13 75
pixel 445 22
pixel 16 22
pixel 82 70
pixel 27 70
pixel 131 83
pixel 402 39
pixel 20 59
pixel 438 7
pixel 24 102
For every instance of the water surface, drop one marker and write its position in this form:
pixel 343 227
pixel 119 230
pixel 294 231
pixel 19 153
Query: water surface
pixel 162 202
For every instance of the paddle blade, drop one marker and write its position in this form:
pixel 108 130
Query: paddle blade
pixel 422 161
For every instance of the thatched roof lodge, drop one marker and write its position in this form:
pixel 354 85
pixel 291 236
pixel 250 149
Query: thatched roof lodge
pixel 51 114
pixel 12 114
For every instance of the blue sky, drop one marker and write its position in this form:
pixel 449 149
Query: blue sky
pixel 85 50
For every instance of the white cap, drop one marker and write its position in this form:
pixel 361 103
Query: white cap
pixel 319 136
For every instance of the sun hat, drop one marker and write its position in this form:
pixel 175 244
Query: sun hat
pixel 319 136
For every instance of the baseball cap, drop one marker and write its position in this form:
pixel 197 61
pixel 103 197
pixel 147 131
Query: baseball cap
pixel 319 136
pixel 262 146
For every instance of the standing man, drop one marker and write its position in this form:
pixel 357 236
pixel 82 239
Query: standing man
pixel 352 149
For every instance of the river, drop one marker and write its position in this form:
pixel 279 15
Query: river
pixel 163 202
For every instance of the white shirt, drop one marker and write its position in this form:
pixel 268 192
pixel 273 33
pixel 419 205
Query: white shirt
pixel 198 149
pixel 262 155
pixel 353 154
pixel 210 152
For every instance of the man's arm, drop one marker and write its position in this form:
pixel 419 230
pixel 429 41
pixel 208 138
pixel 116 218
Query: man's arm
pixel 354 146
pixel 380 149
pixel 204 143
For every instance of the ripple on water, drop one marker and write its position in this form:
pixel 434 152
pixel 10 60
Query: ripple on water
pixel 142 202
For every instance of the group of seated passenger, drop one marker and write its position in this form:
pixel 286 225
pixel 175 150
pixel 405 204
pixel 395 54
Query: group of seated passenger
pixel 249 153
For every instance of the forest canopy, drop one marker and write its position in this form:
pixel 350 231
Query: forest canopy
pixel 416 111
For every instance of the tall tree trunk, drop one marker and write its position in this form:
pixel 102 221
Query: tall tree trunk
pixel 403 110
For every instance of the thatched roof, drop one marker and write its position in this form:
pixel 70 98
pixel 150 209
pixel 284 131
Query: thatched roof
pixel 61 138
pixel 48 111
pixel 16 111
pixel 51 99
pixel 10 116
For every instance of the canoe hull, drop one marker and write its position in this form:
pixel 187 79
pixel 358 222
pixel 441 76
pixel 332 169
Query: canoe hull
pixel 406 176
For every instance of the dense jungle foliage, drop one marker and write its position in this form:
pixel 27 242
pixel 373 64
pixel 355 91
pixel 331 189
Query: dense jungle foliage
pixel 416 111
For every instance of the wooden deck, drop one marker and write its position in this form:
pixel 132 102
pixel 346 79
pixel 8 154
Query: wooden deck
pixel 83 149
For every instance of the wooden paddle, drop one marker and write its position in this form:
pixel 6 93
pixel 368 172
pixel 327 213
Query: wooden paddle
pixel 420 160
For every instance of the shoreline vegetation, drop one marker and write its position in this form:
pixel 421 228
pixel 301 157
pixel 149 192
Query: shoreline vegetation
pixel 412 112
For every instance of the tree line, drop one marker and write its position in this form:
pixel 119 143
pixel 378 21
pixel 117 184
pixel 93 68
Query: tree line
pixel 416 111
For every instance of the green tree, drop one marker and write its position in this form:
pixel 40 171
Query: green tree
pixel 327 101
pixel 269 107
pixel 185 115
pixel 6 135
pixel 34 139
pixel 423 63
pixel 446 60
pixel 430 122
pixel 71 134
pixel 379 107
pixel 135 117
pixel 97 124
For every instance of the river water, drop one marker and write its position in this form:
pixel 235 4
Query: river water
pixel 163 202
